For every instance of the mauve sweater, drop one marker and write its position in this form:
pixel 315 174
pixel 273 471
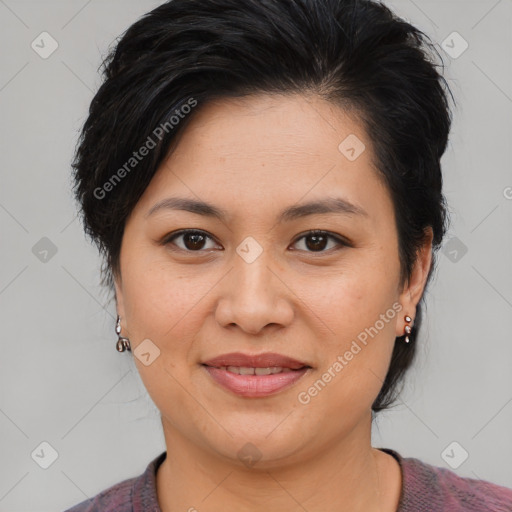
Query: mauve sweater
pixel 425 488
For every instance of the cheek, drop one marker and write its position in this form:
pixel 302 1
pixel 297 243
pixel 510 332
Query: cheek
pixel 164 306
pixel 357 307
pixel 158 296
pixel 347 301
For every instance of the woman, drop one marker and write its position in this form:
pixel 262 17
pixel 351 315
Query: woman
pixel 263 178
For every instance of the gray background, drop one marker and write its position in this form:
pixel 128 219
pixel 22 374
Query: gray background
pixel 61 379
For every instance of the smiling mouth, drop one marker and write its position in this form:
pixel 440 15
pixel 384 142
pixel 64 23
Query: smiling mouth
pixel 246 370
pixel 255 376
pixel 249 382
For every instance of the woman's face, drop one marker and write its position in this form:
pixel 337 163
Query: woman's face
pixel 253 281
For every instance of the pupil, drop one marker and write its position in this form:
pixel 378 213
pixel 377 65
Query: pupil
pixel 318 241
pixel 194 240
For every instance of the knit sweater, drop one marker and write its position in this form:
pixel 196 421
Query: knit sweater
pixel 425 488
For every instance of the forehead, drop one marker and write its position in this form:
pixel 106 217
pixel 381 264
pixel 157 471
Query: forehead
pixel 277 125
pixel 266 150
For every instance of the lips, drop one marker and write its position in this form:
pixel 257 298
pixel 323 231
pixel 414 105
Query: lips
pixel 255 375
pixel 267 360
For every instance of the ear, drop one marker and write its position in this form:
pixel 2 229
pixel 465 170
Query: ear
pixel 413 290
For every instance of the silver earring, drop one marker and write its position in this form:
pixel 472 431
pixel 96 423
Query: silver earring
pixel 408 328
pixel 122 342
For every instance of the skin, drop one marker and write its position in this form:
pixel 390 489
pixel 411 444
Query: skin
pixel 254 157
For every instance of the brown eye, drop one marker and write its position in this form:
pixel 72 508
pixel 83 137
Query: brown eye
pixel 192 241
pixel 317 241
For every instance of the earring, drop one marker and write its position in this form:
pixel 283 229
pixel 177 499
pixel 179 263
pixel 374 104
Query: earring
pixel 122 343
pixel 408 328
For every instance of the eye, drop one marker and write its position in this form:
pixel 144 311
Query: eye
pixel 317 240
pixel 192 240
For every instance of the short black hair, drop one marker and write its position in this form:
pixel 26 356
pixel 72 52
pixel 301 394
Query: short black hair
pixel 354 53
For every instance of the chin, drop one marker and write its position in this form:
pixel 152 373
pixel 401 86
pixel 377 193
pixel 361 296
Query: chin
pixel 258 443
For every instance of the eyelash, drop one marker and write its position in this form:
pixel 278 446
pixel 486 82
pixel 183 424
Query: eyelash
pixel 169 239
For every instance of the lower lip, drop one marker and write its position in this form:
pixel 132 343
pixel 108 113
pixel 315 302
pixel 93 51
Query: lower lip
pixel 254 386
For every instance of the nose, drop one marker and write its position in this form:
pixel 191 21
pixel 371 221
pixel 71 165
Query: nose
pixel 255 296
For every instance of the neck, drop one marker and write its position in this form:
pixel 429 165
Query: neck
pixel 349 475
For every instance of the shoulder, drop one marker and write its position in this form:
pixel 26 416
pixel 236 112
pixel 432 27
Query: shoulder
pixel 427 487
pixel 116 498
pixel 131 495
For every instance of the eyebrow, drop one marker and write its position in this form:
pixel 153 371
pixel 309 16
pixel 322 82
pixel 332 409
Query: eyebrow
pixel 328 205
